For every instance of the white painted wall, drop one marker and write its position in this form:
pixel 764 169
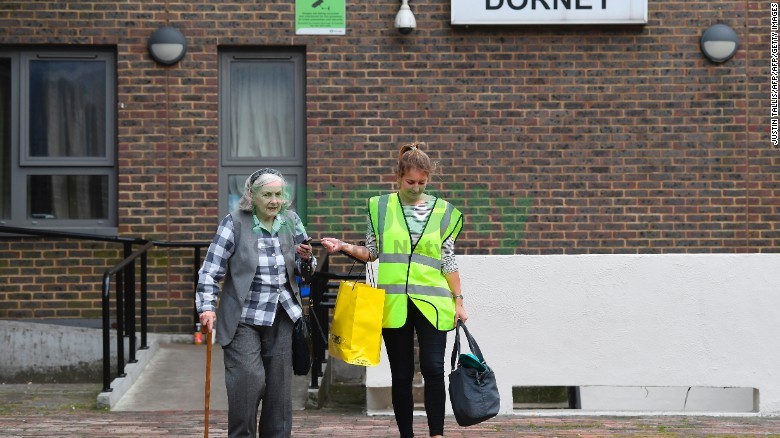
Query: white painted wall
pixel 49 348
pixel 649 321
pixel 43 348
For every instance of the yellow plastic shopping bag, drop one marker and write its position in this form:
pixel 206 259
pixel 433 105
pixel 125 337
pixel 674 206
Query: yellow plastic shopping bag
pixel 356 330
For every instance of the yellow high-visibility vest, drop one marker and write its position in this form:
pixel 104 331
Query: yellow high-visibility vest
pixel 410 271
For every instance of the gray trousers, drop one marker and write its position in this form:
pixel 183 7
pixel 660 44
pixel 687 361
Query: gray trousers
pixel 258 367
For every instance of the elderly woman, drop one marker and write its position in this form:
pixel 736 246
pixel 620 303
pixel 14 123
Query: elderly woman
pixel 256 250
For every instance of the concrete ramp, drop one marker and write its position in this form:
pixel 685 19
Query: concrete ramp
pixel 169 375
pixel 174 379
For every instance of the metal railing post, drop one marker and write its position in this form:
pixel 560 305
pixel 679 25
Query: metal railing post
pixel 130 310
pixel 196 268
pixel 106 304
pixel 129 277
pixel 120 322
pixel 144 298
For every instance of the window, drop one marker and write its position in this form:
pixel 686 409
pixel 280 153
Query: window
pixel 5 138
pixel 57 139
pixel 262 123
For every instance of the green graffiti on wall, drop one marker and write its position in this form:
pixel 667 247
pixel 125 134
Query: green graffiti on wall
pixel 495 217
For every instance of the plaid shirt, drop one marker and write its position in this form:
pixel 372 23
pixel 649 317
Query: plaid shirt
pixel 269 287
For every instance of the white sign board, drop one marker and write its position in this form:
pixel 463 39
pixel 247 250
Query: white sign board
pixel 542 12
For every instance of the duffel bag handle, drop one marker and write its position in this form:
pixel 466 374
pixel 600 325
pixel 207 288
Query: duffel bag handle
pixel 472 344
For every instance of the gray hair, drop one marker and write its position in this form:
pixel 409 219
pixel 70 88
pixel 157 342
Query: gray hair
pixel 258 179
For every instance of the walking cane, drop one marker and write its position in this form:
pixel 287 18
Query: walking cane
pixel 208 386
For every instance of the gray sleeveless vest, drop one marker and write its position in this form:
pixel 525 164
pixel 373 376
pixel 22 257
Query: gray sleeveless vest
pixel 242 267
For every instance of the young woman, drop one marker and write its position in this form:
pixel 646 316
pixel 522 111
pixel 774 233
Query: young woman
pixel 413 235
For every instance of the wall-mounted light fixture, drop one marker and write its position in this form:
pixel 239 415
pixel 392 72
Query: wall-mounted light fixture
pixel 167 45
pixel 719 43
pixel 404 20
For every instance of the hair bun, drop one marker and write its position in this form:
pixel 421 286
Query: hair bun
pixel 416 160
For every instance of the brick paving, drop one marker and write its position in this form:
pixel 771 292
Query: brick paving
pixel 334 423
pixel 68 410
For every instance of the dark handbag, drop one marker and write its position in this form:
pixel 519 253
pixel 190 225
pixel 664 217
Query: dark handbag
pixel 473 390
pixel 301 346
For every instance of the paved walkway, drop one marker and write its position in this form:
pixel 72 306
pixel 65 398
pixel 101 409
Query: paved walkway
pixel 166 403
pixel 68 410
pixel 330 423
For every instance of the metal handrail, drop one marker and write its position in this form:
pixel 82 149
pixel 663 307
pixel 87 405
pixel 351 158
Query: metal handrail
pixel 321 302
pixel 125 287
pixel 196 260
pixel 125 282
pixel 70 235
pixel 125 270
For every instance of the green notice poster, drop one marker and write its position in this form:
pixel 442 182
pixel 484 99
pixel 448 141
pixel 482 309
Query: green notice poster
pixel 320 17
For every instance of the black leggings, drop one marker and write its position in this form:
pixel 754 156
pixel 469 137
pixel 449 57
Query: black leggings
pixel 399 343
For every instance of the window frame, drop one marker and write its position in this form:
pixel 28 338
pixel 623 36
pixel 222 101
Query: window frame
pixel 25 158
pixel 293 175
pixel 294 166
pixel 22 165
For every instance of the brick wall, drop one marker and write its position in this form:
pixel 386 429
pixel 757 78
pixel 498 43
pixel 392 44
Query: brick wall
pixel 552 140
